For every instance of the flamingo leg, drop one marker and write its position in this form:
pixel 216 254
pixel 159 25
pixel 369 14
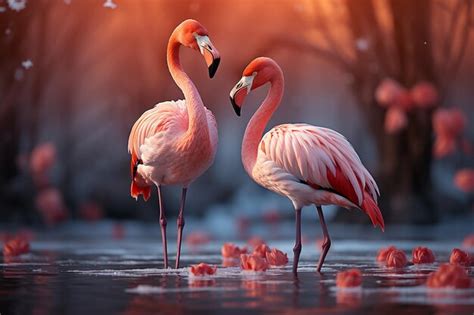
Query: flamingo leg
pixel 326 242
pixel 180 223
pixel 163 224
pixel 297 248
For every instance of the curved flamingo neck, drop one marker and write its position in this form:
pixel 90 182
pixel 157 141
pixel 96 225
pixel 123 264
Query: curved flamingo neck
pixel 193 101
pixel 258 122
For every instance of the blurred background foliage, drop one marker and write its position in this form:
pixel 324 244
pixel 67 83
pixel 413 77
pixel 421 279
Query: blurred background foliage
pixel 76 74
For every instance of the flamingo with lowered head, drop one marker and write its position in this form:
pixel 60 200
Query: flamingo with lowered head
pixel 176 141
pixel 307 164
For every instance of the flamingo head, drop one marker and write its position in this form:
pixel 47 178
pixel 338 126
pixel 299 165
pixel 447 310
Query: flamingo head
pixel 258 72
pixel 192 34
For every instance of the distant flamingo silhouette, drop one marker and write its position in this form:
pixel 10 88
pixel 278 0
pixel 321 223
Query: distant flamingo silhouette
pixel 307 164
pixel 176 141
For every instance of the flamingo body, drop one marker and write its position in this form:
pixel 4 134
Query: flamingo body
pixel 315 165
pixel 159 140
pixel 307 164
pixel 176 141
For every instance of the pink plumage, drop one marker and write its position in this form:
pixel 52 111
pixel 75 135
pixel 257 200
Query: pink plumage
pixel 324 160
pixel 175 142
pixel 307 164
pixel 169 152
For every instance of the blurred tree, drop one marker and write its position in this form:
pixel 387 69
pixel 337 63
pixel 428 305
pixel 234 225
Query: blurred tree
pixel 15 26
pixel 29 35
pixel 408 41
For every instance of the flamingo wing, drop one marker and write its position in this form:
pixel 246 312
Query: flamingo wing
pixel 165 117
pixel 323 159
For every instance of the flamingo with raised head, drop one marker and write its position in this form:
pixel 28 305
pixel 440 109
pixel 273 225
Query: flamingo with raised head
pixel 307 164
pixel 176 141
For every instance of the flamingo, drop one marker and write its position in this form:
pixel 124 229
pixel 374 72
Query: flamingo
pixel 307 164
pixel 175 142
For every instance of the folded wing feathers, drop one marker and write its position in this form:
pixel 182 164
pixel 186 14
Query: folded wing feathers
pixel 309 152
pixel 161 117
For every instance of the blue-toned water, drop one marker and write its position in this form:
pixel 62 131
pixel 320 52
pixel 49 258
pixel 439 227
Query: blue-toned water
pixel 82 269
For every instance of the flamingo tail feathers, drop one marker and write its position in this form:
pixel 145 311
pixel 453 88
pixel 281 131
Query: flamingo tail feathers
pixel 136 190
pixel 370 207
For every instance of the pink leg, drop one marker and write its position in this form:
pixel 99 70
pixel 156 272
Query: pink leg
pixel 297 248
pixel 180 223
pixel 326 241
pixel 163 229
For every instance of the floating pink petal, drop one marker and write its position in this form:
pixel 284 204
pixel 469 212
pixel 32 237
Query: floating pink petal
pixel 460 257
pixel 383 253
pixel 261 250
pixel 423 255
pixel 424 94
pixel 253 262
pixel 449 275
pixel 396 259
pixel 255 241
pixel 230 250
pixel 395 120
pixel 202 269
pixel 387 92
pixel 349 278
pixel 16 247
pixel 276 257
pixel 464 180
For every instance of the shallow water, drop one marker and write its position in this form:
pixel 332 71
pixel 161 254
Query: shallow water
pixel 77 272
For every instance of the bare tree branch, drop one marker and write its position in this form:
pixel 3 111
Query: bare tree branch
pixel 328 35
pixel 328 55
pixel 456 59
pixel 449 38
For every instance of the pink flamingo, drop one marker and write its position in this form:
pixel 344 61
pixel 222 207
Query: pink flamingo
pixel 175 142
pixel 307 164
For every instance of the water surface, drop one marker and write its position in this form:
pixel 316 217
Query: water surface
pixel 89 272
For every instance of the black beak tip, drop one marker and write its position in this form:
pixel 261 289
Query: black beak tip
pixel 213 67
pixel 235 106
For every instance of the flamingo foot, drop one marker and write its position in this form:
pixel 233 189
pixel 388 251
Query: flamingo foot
pixel 326 242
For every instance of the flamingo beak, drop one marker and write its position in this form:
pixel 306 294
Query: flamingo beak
pixel 210 53
pixel 235 106
pixel 240 91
